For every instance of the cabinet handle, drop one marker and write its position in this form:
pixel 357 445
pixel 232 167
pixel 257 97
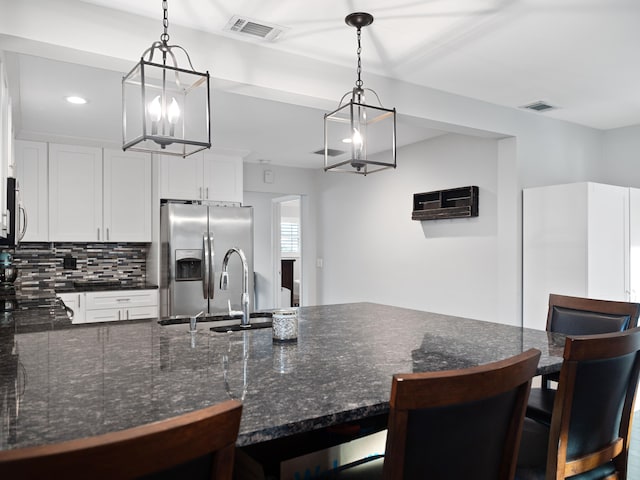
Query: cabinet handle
pixel 98 233
pixel 200 192
pixel 127 314
pixel 79 300
pixel 119 318
pixel 107 233
pixel 207 193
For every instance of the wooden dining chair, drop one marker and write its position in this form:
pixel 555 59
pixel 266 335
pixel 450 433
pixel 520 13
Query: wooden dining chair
pixel 578 316
pixel 590 427
pixel 199 444
pixel 455 424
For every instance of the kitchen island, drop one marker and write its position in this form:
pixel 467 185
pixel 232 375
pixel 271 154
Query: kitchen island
pixel 62 382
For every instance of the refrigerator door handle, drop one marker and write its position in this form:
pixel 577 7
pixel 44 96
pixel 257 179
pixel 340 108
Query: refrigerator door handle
pixel 212 272
pixel 206 278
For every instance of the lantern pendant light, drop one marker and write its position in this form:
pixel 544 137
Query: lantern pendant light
pixel 165 108
pixel 368 131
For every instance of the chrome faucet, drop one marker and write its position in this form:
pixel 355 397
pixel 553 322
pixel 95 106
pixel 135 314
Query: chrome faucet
pixel 224 283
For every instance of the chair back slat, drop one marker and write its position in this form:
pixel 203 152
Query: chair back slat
pixel 479 410
pixel 594 403
pixel 197 443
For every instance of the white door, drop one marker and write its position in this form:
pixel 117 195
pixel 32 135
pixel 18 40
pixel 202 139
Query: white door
pixel 75 193
pixel 127 196
pixel 32 175
pixel 608 242
pixel 634 245
pixel 181 178
pixel 287 211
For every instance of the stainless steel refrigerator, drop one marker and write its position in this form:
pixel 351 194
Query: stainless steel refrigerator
pixel 194 240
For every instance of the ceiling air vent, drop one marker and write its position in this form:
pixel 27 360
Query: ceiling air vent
pixel 539 106
pixel 332 152
pixel 254 28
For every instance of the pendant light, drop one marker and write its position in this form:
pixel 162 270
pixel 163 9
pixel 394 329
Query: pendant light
pixel 165 107
pixel 364 129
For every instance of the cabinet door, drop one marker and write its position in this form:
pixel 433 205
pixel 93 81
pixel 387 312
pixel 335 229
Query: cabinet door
pixel 127 196
pixel 32 175
pixel 223 178
pixel 75 193
pixel 634 247
pixel 181 178
pixel 74 301
pixel 608 241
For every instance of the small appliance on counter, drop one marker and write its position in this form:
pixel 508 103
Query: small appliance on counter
pixel 8 275
pixel 8 271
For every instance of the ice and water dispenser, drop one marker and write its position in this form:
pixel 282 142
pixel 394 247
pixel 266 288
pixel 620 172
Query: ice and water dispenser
pixel 188 265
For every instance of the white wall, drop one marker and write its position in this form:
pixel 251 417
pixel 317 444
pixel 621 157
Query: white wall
pixel 262 251
pixel 287 181
pixel 620 162
pixel 373 251
pixel 541 151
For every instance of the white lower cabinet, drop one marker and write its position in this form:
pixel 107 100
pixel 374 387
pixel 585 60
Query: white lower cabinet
pixel 75 302
pixel 112 306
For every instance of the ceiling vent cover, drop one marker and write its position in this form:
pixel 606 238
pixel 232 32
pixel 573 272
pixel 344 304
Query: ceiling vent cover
pixel 254 28
pixel 539 106
pixel 332 152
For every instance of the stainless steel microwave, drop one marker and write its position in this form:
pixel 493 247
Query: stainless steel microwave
pixel 16 216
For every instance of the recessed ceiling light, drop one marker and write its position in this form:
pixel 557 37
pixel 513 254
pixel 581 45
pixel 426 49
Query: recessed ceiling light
pixel 76 100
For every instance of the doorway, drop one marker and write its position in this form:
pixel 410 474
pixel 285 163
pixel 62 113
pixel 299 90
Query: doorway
pixel 287 251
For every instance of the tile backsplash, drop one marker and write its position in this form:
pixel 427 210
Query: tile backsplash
pixel 41 265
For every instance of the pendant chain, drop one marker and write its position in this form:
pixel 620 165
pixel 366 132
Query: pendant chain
pixel 165 22
pixel 359 81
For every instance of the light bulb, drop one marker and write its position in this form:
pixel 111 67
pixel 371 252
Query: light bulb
pixel 155 109
pixel 174 112
pixel 357 139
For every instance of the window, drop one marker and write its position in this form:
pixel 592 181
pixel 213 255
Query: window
pixel 289 238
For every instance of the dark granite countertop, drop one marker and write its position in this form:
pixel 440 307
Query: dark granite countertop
pixel 63 382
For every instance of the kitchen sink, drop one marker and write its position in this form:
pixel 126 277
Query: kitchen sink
pixel 218 323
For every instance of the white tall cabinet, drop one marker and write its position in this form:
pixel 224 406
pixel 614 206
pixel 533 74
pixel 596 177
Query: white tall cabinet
pixel 577 240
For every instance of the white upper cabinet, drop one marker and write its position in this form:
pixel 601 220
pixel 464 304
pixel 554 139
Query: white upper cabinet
pixel 32 175
pixel 96 200
pixel 223 178
pixel 75 194
pixel 181 178
pixel 127 196
pixel 201 176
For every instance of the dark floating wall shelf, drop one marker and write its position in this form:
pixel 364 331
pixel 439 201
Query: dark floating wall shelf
pixel 453 203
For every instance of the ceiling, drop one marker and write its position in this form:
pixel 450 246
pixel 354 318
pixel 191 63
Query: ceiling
pixel 577 55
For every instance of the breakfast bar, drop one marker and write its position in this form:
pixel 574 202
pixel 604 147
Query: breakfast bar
pixel 63 381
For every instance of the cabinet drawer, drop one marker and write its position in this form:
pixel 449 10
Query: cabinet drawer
pixel 137 313
pixel 121 299
pixel 103 315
